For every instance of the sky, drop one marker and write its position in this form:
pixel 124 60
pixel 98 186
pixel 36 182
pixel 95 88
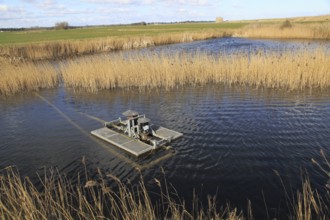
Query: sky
pixel 45 13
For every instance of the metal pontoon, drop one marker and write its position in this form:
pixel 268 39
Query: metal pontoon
pixel 135 134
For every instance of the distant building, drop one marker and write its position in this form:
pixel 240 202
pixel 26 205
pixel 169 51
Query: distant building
pixel 219 20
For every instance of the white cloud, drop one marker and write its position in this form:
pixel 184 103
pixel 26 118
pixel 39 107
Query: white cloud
pixel 236 5
pixel 4 7
pixel 13 11
pixel 112 1
pixel 148 2
pixel 195 2
pixel 29 1
pixel 47 4
pixel 106 11
pixel 182 10
pixel 188 2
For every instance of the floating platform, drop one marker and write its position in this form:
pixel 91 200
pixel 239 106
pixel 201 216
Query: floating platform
pixel 165 133
pixel 131 145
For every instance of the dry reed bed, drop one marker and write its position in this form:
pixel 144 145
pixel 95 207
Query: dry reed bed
pixel 94 199
pixel 295 31
pixel 288 70
pixel 69 48
pixel 26 76
pixel 90 199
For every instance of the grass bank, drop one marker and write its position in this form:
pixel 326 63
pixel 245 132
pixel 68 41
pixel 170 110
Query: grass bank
pixel 63 49
pixel 53 44
pixel 119 31
pixel 58 198
pixel 287 70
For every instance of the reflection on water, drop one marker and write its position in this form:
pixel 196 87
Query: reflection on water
pixel 234 138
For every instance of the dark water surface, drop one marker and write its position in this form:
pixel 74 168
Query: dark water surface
pixel 234 45
pixel 235 138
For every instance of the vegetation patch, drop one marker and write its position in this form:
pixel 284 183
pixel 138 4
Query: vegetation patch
pixel 68 48
pixel 90 199
pixel 286 24
pixel 65 41
pixel 288 70
pixel 46 35
pixel 107 197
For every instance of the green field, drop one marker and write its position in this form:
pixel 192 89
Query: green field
pixel 43 35
pixel 47 35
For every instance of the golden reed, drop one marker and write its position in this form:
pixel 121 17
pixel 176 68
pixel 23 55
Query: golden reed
pixel 26 76
pixel 320 31
pixel 58 198
pixel 288 70
pixel 94 199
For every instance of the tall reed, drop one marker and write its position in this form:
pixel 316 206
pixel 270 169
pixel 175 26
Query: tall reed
pixel 26 76
pixel 93 199
pixel 309 203
pixel 59 198
pixel 288 70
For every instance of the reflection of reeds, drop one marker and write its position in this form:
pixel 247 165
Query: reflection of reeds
pixel 94 199
pixel 26 76
pixel 289 70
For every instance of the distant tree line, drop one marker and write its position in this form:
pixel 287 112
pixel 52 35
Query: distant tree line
pixel 142 23
pixel 65 25
pixel 12 29
pixel 59 25
pixel 62 25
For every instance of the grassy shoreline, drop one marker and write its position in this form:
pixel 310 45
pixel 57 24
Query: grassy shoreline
pixel 55 44
pixel 27 67
pixel 65 49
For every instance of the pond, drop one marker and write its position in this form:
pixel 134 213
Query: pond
pixel 236 139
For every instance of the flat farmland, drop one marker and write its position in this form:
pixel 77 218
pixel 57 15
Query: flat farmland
pixel 47 35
